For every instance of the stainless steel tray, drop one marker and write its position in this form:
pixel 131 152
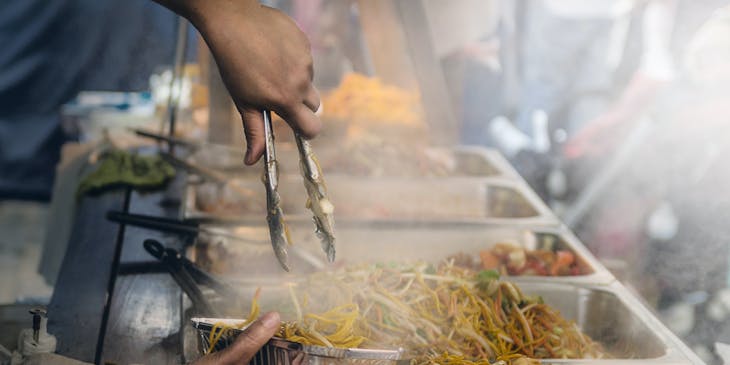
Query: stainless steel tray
pixel 614 318
pixel 472 156
pixel 464 160
pixel 382 243
pixel 454 199
pixel 609 315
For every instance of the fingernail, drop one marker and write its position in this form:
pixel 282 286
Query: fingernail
pixel 270 320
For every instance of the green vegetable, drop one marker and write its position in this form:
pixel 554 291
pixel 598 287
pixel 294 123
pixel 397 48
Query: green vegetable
pixel 119 168
pixel 486 276
pixel 486 280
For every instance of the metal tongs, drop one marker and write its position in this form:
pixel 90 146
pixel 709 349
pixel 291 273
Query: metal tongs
pixel 317 201
pixel 188 276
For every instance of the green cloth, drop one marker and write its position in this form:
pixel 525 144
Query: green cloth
pixel 119 168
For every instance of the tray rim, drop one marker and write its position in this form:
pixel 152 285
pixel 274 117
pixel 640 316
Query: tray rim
pixel 544 216
pixel 600 275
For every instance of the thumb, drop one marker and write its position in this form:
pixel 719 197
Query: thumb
pixel 253 128
pixel 251 340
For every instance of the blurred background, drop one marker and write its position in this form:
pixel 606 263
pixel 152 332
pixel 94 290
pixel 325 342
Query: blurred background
pixel 615 112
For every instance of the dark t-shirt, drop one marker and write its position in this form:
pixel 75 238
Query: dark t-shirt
pixel 51 50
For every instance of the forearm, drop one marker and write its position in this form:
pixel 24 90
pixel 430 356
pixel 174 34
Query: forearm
pixel 202 13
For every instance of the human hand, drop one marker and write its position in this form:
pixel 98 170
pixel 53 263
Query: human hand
pixel 265 62
pixel 247 343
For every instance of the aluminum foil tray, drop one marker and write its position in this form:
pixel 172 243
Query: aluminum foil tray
pixel 282 352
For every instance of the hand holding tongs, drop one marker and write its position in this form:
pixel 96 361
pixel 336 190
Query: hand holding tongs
pixel 317 200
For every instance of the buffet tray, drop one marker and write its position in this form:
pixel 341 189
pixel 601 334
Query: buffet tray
pixel 616 319
pixel 449 200
pixel 493 160
pixel 251 264
pixel 609 314
pixel 463 160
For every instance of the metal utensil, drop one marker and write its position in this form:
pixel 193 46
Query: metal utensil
pixel 197 228
pixel 179 227
pixel 278 230
pixel 174 264
pixel 197 169
pixel 317 200
pixel 172 141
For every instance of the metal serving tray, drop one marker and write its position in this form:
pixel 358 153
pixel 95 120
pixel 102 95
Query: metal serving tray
pixel 453 199
pixel 382 243
pixel 614 318
pixel 471 157
pixel 467 160
pixel 608 314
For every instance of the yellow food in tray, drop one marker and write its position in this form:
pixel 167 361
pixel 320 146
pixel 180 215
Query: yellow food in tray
pixel 361 99
pixel 438 315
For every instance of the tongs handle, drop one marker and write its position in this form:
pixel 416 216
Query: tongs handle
pixel 278 230
pixel 154 248
pixel 271 170
pixel 152 222
pixel 172 260
pixel 199 276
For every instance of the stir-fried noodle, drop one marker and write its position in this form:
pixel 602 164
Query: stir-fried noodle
pixel 438 315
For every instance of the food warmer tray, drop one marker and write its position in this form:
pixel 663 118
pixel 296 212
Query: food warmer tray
pixel 251 264
pixel 446 200
pixel 467 160
pixel 609 314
